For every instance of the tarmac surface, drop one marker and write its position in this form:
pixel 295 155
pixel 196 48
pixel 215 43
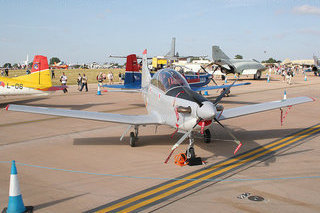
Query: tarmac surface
pixel 74 165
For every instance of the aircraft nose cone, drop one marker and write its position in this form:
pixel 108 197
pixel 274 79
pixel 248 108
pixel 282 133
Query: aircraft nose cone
pixel 207 111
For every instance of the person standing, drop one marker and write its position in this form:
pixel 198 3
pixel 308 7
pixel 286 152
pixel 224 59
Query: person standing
pixel 52 73
pixel 6 71
pixel 63 80
pixel 120 77
pixel 79 81
pixel 110 77
pixel 84 83
pixel 100 78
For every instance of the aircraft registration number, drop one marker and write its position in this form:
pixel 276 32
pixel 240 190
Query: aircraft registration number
pixel 16 86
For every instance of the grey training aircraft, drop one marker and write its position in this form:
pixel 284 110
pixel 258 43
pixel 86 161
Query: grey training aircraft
pixel 170 101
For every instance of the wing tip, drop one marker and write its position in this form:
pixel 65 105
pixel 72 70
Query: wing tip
pixel 145 52
pixel 313 99
pixel 7 107
pixel 236 150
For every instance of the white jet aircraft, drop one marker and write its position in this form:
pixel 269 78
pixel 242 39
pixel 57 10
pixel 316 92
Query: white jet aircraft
pixel 170 101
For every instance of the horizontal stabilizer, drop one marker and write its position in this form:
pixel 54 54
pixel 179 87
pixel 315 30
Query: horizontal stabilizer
pixel 121 86
pixel 54 88
pixel 126 90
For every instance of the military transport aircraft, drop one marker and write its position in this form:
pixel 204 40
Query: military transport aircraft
pixel 37 82
pixel 237 66
pixel 170 101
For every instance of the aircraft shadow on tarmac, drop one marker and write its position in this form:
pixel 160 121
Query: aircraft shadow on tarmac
pixel 69 106
pixel 139 105
pixel 54 202
pixel 221 144
pixel 24 101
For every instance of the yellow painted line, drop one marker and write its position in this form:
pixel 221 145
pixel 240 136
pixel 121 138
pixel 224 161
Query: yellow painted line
pixel 138 197
pixel 146 202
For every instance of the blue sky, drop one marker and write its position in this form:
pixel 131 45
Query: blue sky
pixel 83 31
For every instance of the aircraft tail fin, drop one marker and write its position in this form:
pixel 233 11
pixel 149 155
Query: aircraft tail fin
pixel 132 77
pixel 40 73
pixel 217 53
pixel 172 51
pixel 316 60
pixel 132 63
pixel 146 77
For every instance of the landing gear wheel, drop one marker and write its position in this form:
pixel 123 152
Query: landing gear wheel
pixel 207 136
pixel 257 76
pixel 132 139
pixel 190 153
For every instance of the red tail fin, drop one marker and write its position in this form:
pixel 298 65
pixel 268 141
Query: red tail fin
pixel 39 63
pixel 132 63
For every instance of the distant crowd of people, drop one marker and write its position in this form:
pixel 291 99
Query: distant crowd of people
pixel 5 72
pixel 288 72
pixel 82 80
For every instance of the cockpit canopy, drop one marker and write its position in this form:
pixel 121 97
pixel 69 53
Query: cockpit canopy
pixel 167 79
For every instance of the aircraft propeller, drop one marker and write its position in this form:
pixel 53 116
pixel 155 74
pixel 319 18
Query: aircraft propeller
pixel 207 111
pixel 211 76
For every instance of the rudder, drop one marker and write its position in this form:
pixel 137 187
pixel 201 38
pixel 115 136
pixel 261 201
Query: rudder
pixel 217 53
pixel 40 75
pixel 146 77
pixel 132 75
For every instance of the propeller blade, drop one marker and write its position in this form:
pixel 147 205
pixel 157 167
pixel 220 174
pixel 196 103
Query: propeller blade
pixel 232 135
pixel 193 97
pixel 223 93
pixel 211 77
pixel 177 144
pixel 181 140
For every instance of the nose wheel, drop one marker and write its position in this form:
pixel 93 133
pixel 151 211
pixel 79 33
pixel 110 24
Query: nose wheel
pixel 207 136
pixel 190 151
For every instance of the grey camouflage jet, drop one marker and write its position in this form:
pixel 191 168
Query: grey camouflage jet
pixel 237 66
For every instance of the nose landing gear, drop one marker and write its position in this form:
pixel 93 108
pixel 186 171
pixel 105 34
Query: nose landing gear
pixel 207 136
pixel 192 160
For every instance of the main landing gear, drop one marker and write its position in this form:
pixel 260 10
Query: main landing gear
pixel 134 136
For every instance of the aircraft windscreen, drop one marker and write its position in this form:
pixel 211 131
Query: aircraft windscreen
pixel 167 78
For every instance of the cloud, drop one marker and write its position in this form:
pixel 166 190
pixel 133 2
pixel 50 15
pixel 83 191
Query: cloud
pixel 30 27
pixel 103 14
pixel 313 32
pixel 306 10
pixel 239 3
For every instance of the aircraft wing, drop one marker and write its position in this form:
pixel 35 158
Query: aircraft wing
pixel 255 108
pixel 98 116
pixel 217 87
pixel 121 86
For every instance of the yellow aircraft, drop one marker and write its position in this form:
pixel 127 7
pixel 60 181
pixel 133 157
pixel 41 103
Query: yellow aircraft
pixel 37 82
